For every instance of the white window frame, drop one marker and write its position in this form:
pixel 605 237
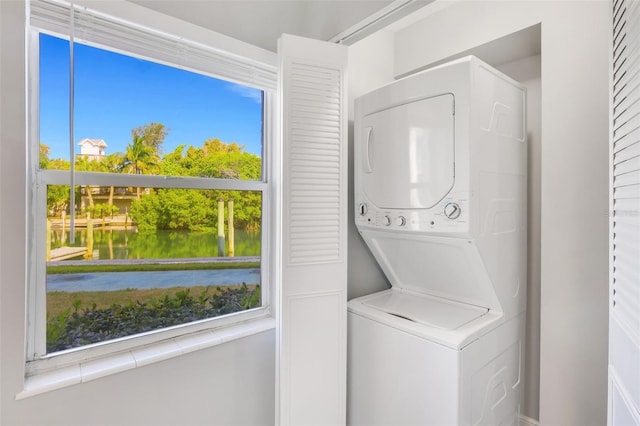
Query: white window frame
pixel 43 370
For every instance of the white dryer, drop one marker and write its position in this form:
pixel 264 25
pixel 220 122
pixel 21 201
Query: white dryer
pixel 440 193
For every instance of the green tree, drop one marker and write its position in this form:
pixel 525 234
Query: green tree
pixel 185 209
pixel 172 163
pixel 51 163
pixel 215 159
pixel 83 164
pixel 44 156
pixel 153 135
pixel 112 163
pixel 145 213
pixel 139 159
pixel 174 209
pixel 57 199
pixel 57 195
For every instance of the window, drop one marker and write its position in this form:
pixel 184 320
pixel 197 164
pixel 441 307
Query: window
pixel 154 222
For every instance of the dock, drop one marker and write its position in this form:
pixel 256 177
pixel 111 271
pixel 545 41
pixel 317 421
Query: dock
pixel 63 253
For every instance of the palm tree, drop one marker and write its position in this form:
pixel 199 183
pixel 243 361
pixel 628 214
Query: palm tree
pixel 112 163
pixel 139 158
pixel 83 164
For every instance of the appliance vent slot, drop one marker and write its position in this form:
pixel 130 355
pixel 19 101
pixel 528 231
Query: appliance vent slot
pixel 314 152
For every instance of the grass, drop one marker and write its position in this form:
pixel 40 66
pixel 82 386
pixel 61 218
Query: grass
pixel 60 301
pixel 148 267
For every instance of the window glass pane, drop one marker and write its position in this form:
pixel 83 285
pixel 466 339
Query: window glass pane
pixel 140 117
pixel 54 103
pixel 148 259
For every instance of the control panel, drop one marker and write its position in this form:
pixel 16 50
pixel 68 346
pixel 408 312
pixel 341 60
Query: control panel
pixel 449 215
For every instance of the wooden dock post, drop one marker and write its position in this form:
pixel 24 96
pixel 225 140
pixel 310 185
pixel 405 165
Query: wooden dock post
pixel 110 244
pixel 89 253
pixel 63 235
pixel 221 243
pixel 231 230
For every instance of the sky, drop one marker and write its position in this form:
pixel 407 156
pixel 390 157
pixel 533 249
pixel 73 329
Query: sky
pixel 115 93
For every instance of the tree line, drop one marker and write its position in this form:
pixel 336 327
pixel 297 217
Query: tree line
pixel 176 209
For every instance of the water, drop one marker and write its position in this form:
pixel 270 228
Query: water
pixel 129 244
pixel 110 281
pixel 121 244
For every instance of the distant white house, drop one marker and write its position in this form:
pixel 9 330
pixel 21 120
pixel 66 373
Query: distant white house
pixel 92 149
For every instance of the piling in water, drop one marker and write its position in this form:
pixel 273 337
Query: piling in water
pixel 231 230
pixel 221 243
pixel 63 239
pixel 89 253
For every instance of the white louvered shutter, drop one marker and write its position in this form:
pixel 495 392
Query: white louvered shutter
pixel 624 309
pixel 312 310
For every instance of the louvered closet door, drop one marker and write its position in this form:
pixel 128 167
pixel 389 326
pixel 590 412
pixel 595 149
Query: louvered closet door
pixel 312 314
pixel 624 333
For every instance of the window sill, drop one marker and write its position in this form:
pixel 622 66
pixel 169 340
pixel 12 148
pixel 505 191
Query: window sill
pixel 139 356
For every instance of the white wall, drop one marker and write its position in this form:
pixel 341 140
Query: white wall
pixel 230 384
pixel 573 182
pixel 370 66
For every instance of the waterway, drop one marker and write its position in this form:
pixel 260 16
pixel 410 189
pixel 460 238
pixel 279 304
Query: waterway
pixel 130 244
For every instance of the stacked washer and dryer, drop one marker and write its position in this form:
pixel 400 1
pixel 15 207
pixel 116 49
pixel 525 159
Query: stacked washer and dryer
pixel 440 194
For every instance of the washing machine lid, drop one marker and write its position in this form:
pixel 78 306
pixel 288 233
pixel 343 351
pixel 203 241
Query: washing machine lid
pixel 426 310
pixel 444 267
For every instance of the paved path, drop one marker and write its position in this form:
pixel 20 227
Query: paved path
pixel 109 281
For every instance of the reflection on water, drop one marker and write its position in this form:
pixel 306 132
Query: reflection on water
pixel 121 244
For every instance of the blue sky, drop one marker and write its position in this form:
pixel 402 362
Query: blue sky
pixel 115 94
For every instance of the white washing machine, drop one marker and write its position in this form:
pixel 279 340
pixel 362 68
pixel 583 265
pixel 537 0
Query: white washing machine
pixel 440 193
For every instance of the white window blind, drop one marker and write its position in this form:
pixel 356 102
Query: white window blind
pixel 624 338
pixel 93 27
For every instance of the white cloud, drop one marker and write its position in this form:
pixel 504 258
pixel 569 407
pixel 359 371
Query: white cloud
pixel 246 92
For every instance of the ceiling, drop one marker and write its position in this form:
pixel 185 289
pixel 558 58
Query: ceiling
pixel 260 22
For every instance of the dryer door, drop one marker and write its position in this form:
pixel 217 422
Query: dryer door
pixel 407 153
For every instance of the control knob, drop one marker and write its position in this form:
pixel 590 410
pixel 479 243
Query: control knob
pixel 452 210
pixel 401 221
pixel 386 221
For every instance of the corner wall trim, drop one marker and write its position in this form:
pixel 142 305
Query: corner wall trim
pixel 528 421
